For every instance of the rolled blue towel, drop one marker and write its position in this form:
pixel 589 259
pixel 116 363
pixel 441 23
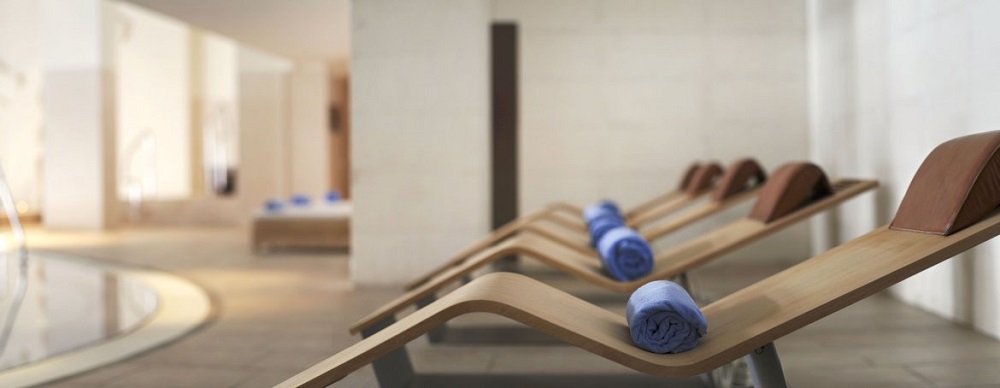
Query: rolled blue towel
pixel 663 318
pixel 625 254
pixel 599 226
pixel 333 196
pixel 273 205
pixel 300 200
pixel 600 209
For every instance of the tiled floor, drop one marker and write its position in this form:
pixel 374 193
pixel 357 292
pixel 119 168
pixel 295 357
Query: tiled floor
pixel 281 313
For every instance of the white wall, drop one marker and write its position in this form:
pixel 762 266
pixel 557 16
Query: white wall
pixel 263 117
pixel 890 81
pixel 21 99
pixel 154 101
pixel 419 134
pixel 309 131
pixel 618 97
pixel 79 113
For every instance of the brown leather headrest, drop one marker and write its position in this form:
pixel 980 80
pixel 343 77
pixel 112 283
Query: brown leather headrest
pixel 956 186
pixel 790 187
pixel 741 176
pixel 688 174
pixel 703 179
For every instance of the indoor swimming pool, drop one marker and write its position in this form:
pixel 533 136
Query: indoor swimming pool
pixel 68 304
pixel 64 314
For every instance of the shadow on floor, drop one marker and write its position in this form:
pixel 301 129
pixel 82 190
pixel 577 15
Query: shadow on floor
pixel 575 381
pixel 506 335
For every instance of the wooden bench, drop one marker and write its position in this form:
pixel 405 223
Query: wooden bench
pixel 948 208
pixel 794 192
pixel 302 229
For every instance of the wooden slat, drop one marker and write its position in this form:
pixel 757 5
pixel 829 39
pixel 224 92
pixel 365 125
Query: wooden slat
pixel 738 323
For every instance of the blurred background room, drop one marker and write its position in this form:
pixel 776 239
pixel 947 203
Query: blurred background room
pixel 210 193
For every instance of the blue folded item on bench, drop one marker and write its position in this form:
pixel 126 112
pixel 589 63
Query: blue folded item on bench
pixel 333 196
pixel 625 254
pixel 300 200
pixel 273 205
pixel 663 318
pixel 600 209
pixel 599 226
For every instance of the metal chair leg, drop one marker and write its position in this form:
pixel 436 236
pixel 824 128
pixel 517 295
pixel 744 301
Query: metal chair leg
pixel 435 335
pixel 765 367
pixel 393 370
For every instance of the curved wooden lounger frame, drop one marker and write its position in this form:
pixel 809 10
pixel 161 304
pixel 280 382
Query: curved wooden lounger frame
pixel 741 182
pixel 752 318
pixel 784 185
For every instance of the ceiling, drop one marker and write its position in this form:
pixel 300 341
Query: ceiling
pixel 298 29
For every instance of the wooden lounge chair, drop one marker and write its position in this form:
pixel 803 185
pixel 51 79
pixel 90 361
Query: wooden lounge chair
pixel 948 208
pixel 740 182
pixel 743 175
pixel 793 193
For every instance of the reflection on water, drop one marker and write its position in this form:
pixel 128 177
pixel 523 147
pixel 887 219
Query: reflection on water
pixel 51 303
pixel 69 303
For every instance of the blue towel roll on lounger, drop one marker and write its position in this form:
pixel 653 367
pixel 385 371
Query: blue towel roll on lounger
pixel 601 225
pixel 332 196
pixel 626 255
pixel 600 209
pixel 663 318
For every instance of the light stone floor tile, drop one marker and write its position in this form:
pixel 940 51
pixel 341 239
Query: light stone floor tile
pixel 451 360
pixel 981 386
pixel 280 313
pixel 575 380
pixel 290 359
pixel 961 374
pixel 553 360
pixel 818 377
pixel 179 376
pixel 811 358
pixel 921 355
pixel 198 354
pixel 96 378
pixel 266 377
